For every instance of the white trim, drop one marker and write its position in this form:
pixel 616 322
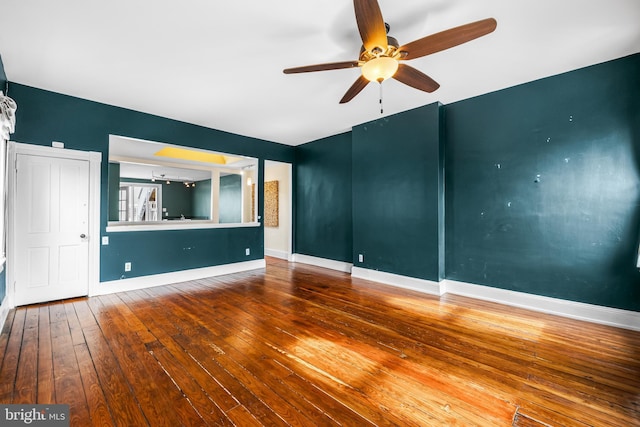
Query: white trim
pixel 290 231
pixel 322 262
pixel 118 227
pixel 3 261
pixel 574 310
pixel 94 159
pixel 175 277
pixel 277 253
pixel 287 254
pixel 420 285
pixel 4 311
pixel 571 309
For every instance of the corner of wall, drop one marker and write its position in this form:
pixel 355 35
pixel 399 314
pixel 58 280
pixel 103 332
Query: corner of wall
pixel 441 194
pixel 405 282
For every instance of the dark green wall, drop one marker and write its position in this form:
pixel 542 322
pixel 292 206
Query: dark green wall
pixel 230 200
pixel 323 198
pixel 542 189
pixel 542 186
pixel 570 233
pixel 177 250
pixel 177 200
pixel 398 194
pixel 202 200
pixel 45 116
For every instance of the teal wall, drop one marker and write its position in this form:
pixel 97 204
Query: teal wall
pixel 202 200
pixel 45 116
pixel 541 189
pixel 230 199
pixel 542 186
pixel 398 194
pixel 323 198
pixel 177 200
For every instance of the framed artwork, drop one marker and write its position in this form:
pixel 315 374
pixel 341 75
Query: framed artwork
pixel 271 204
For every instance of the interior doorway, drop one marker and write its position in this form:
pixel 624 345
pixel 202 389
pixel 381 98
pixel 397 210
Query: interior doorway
pixel 278 216
pixel 53 223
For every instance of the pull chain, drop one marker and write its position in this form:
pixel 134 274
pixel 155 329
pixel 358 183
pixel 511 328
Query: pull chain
pixel 381 106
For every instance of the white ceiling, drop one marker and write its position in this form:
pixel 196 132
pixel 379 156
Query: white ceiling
pixel 219 63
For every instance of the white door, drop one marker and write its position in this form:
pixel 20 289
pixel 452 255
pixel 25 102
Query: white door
pixel 51 229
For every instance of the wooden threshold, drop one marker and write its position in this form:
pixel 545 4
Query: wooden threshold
pixel 304 346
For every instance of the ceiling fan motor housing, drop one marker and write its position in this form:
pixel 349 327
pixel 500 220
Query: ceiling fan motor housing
pixel 391 50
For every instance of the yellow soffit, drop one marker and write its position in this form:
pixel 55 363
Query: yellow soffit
pixel 193 155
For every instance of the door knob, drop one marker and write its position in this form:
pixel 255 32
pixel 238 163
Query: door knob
pixel 82 236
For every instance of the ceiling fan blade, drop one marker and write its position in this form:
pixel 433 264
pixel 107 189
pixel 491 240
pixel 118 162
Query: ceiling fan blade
pixel 414 78
pixel 373 32
pixel 322 67
pixel 448 38
pixel 355 89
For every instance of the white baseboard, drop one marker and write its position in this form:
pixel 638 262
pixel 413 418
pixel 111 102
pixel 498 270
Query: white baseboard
pixel 322 262
pixel 575 310
pixel 175 277
pixel 277 254
pixel 421 285
pixel 571 309
pixel 4 311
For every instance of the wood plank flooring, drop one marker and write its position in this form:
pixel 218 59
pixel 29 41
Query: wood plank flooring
pixel 304 346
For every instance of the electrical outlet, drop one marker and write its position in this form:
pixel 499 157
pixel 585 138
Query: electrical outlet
pixel 360 258
pixel 247 251
pixel 127 266
pixel 105 240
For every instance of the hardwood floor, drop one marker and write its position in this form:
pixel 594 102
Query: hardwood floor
pixel 304 346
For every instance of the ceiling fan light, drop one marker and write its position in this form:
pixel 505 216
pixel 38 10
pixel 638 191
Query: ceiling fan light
pixel 379 69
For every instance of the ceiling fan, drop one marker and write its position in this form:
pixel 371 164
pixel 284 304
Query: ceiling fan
pixel 381 55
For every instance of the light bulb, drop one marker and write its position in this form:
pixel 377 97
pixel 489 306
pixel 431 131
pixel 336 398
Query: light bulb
pixel 379 69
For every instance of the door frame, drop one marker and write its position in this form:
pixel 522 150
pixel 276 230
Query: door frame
pixel 289 251
pixel 94 159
